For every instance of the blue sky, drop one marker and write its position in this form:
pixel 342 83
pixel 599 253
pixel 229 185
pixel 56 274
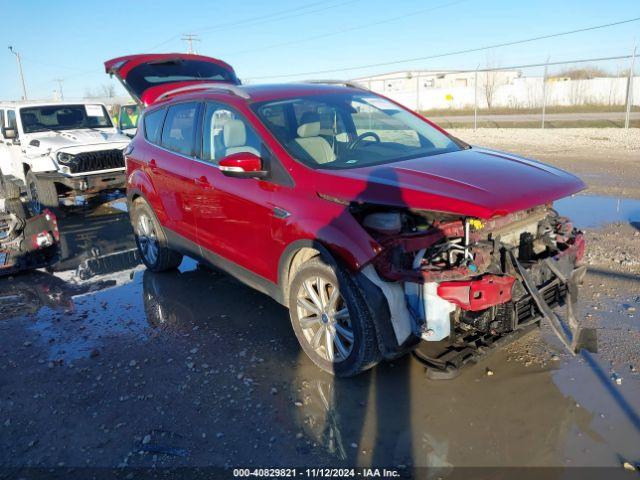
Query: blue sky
pixel 71 39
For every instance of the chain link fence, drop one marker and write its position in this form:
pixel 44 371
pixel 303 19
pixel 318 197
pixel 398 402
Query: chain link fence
pixel 579 92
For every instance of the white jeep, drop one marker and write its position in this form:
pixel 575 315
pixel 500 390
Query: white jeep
pixel 59 150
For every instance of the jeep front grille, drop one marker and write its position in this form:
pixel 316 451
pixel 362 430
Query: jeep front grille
pixel 92 161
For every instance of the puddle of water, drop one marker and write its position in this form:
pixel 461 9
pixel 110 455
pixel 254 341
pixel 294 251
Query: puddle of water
pixel 593 211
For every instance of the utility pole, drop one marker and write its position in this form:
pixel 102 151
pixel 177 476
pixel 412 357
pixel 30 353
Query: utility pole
pixel 630 89
pixel 475 100
pixel 190 38
pixel 60 81
pixel 544 91
pixel 24 87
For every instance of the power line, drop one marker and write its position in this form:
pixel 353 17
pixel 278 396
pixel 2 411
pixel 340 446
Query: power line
pixel 351 29
pixel 448 54
pixel 280 15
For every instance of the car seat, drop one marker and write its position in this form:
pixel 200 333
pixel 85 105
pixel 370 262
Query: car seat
pixel 310 140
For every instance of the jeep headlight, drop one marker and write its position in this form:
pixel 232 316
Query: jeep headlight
pixel 65 158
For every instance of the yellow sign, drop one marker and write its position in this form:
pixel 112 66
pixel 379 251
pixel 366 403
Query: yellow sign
pixel 448 97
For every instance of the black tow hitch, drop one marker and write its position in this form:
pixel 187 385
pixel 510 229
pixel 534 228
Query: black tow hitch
pixel 571 334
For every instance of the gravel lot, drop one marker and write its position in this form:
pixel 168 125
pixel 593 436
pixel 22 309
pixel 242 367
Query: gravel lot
pixel 607 159
pixel 126 368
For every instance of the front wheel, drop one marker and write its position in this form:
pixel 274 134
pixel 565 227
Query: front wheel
pixel 331 319
pixel 150 239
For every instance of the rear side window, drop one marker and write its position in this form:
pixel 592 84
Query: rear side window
pixel 179 128
pixel 153 125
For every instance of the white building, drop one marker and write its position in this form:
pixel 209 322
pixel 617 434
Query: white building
pixel 428 90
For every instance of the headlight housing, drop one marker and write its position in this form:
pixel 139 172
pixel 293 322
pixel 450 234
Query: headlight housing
pixel 65 158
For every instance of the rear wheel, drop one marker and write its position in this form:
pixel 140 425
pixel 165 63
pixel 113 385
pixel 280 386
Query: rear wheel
pixel 150 238
pixel 42 193
pixel 331 319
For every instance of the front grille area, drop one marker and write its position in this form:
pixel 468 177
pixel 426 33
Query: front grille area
pixel 553 294
pixel 92 161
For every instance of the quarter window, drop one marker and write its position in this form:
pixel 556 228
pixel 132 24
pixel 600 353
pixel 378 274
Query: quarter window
pixel 153 125
pixel 179 128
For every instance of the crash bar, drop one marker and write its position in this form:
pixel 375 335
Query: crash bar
pixel 207 86
pixel 346 83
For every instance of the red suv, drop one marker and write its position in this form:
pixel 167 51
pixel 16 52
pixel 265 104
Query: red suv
pixel 379 231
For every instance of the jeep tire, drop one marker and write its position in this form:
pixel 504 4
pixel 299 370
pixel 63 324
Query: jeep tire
pixel 41 193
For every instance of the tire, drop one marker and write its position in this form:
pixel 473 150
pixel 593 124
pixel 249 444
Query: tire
pixel 8 190
pixel 151 240
pixel 16 207
pixel 356 356
pixel 42 193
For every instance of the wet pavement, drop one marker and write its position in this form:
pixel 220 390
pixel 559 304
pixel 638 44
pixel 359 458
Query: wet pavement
pixel 592 211
pixel 105 364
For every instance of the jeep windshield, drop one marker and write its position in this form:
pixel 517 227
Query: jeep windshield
pixel 64 117
pixel 351 130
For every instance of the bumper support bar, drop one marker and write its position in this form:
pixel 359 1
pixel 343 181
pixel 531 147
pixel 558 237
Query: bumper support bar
pixel 574 337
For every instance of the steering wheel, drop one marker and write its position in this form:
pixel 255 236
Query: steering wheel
pixel 361 137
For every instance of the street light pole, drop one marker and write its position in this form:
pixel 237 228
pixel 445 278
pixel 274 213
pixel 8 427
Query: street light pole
pixel 24 87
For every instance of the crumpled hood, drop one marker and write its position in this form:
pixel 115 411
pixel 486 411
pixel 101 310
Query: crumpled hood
pixel 475 182
pixel 79 138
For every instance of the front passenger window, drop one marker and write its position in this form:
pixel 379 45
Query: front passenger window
pixel 179 128
pixel 226 132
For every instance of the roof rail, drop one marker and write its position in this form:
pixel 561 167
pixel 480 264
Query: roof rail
pixel 206 86
pixel 346 83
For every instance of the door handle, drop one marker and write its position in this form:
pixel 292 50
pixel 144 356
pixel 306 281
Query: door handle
pixel 202 181
pixel 153 165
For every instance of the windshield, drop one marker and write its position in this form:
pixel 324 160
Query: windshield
pixel 64 117
pixel 350 130
pixel 151 74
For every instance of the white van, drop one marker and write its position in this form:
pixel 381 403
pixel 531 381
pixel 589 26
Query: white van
pixel 60 150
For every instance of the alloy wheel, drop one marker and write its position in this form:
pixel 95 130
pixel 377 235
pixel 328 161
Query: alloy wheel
pixel 34 202
pixel 147 238
pixel 324 319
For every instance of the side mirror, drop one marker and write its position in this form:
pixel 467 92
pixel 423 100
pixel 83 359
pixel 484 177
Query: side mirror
pixel 242 165
pixel 9 133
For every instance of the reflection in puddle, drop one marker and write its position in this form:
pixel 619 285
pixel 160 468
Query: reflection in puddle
pixel 100 298
pixel 592 211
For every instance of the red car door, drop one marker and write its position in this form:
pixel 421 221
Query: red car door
pixel 233 214
pixel 171 165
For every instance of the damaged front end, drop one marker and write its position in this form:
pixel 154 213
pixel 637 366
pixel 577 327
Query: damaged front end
pixel 26 242
pixel 462 283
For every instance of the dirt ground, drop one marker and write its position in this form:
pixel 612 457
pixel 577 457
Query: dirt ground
pixel 607 159
pixel 105 365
